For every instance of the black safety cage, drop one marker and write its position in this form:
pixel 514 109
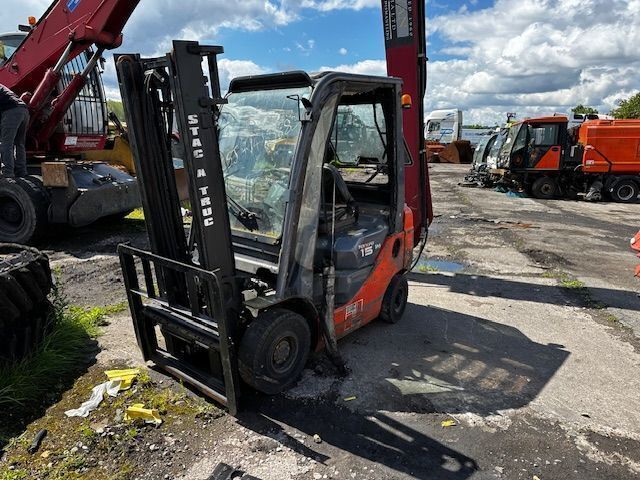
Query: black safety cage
pixel 88 113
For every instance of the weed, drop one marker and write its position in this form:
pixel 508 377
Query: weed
pixel 612 318
pixel 87 432
pixel 17 474
pixel 572 284
pixel 131 433
pixel 94 317
pixel 427 268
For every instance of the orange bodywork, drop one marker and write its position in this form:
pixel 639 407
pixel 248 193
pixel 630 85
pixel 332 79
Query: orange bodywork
pixel 365 306
pixel 635 245
pixel 611 146
pixel 550 160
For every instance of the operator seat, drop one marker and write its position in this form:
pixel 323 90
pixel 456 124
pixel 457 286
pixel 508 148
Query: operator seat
pixel 346 208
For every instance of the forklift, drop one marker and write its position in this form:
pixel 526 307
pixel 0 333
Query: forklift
pixel 300 230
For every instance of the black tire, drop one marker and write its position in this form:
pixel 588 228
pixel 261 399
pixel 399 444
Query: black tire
pixel 274 350
pixel 25 282
pixel 625 191
pixel 545 188
pixel 395 299
pixel 24 205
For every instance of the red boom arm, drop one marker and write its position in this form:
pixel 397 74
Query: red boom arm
pixel 67 29
pixel 405 44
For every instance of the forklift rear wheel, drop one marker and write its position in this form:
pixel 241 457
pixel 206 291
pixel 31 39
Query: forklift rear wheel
pixel 274 350
pixel 625 191
pixel 545 188
pixel 395 299
pixel 23 209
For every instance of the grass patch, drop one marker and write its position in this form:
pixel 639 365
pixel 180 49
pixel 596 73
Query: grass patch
pixel 33 383
pixel 19 474
pixel 107 446
pixel 427 269
pixel 572 284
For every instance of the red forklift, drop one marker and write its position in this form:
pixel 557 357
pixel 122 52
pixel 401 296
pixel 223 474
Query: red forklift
pixel 299 235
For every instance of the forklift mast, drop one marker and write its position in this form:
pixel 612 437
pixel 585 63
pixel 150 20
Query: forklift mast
pixel 196 296
pixel 405 45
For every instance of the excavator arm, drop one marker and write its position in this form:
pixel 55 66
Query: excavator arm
pixel 67 29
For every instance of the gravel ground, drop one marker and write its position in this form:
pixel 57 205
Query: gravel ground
pixel 522 331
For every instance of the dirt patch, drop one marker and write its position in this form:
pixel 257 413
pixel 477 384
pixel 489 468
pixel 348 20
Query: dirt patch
pixel 105 446
pixel 546 258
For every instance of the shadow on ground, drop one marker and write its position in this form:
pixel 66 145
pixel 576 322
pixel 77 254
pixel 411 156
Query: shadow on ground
pixel 375 437
pixel 433 361
pixel 101 237
pixel 438 360
pixel 483 286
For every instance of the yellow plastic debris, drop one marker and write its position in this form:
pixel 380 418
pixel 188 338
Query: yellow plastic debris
pixel 350 399
pixel 126 377
pixel 448 423
pixel 137 411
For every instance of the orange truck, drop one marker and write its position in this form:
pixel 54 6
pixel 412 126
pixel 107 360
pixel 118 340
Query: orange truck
pixel 553 156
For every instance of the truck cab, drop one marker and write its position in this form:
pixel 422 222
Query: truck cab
pixel 9 43
pixel 537 145
pixel 444 126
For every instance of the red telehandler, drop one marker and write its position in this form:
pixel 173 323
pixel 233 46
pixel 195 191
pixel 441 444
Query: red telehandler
pixel 309 195
pixel 53 68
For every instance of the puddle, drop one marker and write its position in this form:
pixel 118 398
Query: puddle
pixel 425 266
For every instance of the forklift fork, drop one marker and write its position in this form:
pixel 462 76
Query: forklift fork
pixel 197 346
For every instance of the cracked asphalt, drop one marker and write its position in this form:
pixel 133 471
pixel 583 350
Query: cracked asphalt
pixel 541 381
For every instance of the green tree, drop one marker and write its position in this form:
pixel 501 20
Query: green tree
pixel 581 109
pixel 629 108
pixel 116 107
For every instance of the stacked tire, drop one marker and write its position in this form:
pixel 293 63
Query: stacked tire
pixel 25 283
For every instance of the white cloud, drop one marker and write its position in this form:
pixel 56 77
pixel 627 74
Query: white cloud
pixel 365 67
pixel 306 47
pixel 529 56
pixel 229 69
pixel 343 51
pixel 328 5
pixel 536 57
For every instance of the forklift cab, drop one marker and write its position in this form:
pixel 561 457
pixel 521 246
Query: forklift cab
pixel 300 231
pixel 535 145
pixel 320 169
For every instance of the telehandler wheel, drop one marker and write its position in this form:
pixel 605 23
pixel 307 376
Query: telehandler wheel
pixel 274 350
pixel 23 209
pixel 545 188
pixel 395 299
pixel 625 191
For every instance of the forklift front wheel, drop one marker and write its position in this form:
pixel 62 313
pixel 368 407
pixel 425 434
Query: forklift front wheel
pixel 274 350
pixel 395 299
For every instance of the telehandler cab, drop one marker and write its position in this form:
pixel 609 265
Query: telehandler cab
pixel 301 232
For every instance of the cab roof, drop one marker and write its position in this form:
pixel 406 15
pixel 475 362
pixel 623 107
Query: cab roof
pixel 554 119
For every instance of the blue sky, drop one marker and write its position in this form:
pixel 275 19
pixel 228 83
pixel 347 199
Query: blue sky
pixel 487 57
